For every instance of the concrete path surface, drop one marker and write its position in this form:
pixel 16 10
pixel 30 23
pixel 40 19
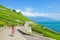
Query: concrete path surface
pixel 19 36
pixel 34 36
pixel 7 33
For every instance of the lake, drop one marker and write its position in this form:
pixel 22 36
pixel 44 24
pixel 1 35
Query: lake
pixel 52 25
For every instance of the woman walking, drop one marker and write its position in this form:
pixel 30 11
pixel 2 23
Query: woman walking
pixel 13 31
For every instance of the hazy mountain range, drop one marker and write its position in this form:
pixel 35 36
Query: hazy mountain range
pixel 41 19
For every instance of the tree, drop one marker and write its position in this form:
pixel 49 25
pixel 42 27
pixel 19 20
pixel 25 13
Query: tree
pixel 14 10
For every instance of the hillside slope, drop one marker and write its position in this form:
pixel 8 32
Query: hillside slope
pixel 45 31
pixel 11 17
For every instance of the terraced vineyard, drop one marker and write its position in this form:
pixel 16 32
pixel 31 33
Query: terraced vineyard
pixel 11 17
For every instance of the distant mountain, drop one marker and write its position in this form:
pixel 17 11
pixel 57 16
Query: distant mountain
pixel 41 19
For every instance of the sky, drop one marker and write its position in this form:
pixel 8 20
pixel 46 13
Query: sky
pixel 35 8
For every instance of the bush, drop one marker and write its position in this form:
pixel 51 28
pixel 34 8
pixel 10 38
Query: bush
pixel 2 23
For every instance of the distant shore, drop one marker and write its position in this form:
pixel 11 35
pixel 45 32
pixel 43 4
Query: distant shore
pixel 53 30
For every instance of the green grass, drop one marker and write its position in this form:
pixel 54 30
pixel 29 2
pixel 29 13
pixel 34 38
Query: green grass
pixel 40 29
pixel 10 16
pixel 2 23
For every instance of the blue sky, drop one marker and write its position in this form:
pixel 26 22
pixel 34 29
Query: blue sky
pixel 45 8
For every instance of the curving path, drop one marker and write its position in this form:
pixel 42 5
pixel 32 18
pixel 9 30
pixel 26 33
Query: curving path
pixel 7 33
pixel 19 36
pixel 34 36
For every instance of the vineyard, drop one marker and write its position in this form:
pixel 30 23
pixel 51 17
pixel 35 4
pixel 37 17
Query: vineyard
pixel 10 17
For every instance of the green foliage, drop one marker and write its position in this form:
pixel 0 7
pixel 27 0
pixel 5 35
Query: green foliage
pixel 2 23
pixel 14 10
pixel 46 32
pixel 37 28
pixel 11 17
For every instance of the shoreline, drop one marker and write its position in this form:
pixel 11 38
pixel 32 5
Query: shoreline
pixel 52 30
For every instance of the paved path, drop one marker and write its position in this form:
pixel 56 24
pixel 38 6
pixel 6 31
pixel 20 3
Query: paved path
pixel 7 33
pixel 19 36
pixel 34 36
pixel 37 37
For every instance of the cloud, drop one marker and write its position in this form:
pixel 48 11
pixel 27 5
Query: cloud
pixel 29 13
pixel 18 10
pixel 35 14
